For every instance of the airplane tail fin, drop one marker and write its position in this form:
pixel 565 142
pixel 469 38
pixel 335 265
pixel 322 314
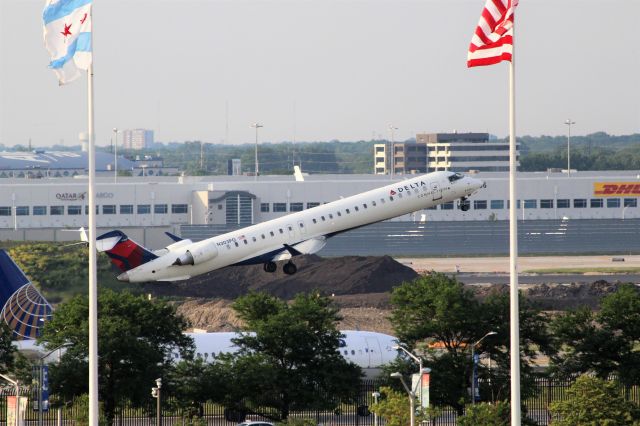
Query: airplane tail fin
pixel 124 253
pixel 24 309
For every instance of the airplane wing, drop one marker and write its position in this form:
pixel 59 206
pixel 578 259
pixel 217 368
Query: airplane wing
pixel 310 246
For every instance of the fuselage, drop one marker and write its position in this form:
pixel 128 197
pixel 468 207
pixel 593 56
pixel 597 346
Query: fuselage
pixel 262 242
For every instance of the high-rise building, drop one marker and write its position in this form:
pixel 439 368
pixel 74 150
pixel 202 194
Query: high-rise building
pixel 136 138
pixel 458 152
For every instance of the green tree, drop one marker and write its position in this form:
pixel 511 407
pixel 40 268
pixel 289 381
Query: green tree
pixel 135 340
pixel 440 318
pixel 291 358
pixel 486 414
pixel 603 342
pixel 393 406
pixel 593 401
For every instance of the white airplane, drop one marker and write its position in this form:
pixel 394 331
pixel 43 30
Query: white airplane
pixel 304 232
pixel 367 349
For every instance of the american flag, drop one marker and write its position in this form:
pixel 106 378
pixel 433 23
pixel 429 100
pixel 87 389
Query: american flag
pixel 492 41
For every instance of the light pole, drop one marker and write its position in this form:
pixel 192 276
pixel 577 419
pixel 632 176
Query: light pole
pixel 412 395
pixel 568 122
pixel 41 378
pixel 256 126
pixel 155 392
pixel 375 396
pixel 115 154
pixel 392 160
pixel 473 360
pixel 417 360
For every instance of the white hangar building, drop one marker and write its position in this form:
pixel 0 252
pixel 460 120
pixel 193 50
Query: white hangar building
pixel 37 209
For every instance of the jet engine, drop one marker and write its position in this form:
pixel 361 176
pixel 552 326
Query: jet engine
pixel 197 255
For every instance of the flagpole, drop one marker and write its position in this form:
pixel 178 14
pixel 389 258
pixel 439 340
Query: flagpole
pixel 93 276
pixel 514 320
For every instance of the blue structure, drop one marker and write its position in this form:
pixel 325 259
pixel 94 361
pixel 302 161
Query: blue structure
pixel 24 309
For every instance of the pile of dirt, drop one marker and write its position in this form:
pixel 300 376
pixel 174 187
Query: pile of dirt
pixel 331 276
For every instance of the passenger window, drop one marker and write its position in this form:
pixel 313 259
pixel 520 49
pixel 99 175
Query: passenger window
pixel 390 198
pixel 364 205
pixel 408 192
pixel 382 200
pixel 330 216
pixel 314 221
pixel 236 243
pixel 339 214
pixel 347 210
pixel 281 231
pixel 301 225
pixel 245 242
pixel 373 203
pixel 356 208
pixel 399 194
pixel 254 239
pixel 322 217
pixel 353 352
pixel 272 234
pixel 263 236
pixel 290 228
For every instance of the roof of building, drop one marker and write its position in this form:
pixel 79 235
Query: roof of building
pixel 44 160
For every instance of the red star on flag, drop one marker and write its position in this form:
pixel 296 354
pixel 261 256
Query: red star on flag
pixel 66 31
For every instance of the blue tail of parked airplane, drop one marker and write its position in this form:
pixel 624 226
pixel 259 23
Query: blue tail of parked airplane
pixel 24 309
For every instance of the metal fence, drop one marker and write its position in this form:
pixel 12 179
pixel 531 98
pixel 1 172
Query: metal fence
pixel 536 408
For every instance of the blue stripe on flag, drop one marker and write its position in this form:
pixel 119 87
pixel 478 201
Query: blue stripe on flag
pixel 61 9
pixel 80 44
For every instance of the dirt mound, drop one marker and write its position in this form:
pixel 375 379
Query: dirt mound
pixel 332 276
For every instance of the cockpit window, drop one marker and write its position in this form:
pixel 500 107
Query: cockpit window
pixel 455 176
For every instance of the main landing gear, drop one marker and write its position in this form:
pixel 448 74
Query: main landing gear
pixel 288 268
pixel 464 204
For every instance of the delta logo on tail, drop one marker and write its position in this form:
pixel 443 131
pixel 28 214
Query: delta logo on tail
pixel 24 309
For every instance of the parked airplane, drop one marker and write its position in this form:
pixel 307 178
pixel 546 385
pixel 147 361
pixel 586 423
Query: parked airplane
pixel 304 232
pixel 369 350
pixel 25 311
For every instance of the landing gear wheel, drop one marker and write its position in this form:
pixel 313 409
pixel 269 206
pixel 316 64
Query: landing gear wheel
pixel 289 268
pixel 270 267
pixel 465 204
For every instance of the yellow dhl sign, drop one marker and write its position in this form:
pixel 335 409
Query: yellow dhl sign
pixel 616 189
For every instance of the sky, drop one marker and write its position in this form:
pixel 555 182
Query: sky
pixel 319 70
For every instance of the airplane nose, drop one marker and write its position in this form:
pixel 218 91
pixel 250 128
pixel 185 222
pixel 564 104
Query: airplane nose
pixel 124 277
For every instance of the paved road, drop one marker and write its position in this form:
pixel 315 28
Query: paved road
pixel 551 278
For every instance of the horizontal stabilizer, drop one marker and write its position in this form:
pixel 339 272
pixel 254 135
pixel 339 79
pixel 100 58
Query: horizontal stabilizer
pixel 173 237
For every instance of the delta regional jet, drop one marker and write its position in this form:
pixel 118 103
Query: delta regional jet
pixel 304 232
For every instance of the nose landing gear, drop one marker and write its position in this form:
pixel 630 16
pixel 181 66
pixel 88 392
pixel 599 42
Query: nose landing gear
pixel 464 204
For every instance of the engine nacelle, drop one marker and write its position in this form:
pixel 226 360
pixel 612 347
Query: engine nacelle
pixel 197 255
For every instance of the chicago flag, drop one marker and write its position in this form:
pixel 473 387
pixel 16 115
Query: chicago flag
pixel 67 37
pixel 492 42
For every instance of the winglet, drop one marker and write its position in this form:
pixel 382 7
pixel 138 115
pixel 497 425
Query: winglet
pixel 298 174
pixel 173 237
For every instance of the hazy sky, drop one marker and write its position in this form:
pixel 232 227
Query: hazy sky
pixel 322 70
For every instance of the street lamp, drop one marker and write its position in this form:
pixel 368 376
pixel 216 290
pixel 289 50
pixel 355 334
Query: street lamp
pixel 256 126
pixel 417 360
pixel 412 395
pixel 115 154
pixel 475 363
pixel 392 129
pixel 41 378
pixel 375 396
pixel 568 122
pixel 155 392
